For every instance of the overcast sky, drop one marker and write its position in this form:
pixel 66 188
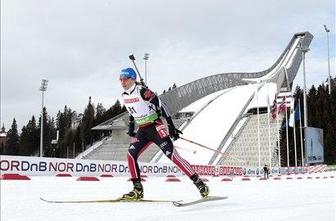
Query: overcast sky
pixel 81 45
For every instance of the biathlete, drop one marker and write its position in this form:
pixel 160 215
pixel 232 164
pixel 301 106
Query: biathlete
pixel 145 109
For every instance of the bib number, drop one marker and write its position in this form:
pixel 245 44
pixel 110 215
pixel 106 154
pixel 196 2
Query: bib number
pixel 161 129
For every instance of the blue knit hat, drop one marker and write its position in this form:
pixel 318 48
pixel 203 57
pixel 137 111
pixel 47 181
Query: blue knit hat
pixel 128 73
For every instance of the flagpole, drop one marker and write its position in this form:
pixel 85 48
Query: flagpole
pixel 301 137
pixel 279 150
pixel 269 128
pixel 287 144
pixel 294 132
pixel 259 160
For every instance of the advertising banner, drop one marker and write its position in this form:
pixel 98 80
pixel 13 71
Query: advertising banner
pixel 36 166
pixel 313 145
pixel 53 166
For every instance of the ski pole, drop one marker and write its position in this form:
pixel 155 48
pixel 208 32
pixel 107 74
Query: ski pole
pixel 201 145
pixel 217 151
pixel 132 58
pixel 193 151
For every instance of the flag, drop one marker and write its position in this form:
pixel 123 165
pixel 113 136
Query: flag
pixel 282 107
pixel 297 113
pixel 294 115
pixel 274 109
pixel 291 117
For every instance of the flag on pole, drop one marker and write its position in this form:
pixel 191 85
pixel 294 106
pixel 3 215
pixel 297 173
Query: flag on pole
pixel 274 109
pixel 295 115
pixel 291 116
pixel 282 107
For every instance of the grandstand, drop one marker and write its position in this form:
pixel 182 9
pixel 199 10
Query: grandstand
pixel 220 115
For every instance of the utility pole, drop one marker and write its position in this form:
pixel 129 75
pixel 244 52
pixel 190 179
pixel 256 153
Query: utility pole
pixel 43 88
pixel 329 79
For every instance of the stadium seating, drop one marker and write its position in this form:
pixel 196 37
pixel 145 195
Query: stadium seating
pixel 243 150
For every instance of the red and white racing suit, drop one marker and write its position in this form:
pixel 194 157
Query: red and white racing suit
pixel 145 109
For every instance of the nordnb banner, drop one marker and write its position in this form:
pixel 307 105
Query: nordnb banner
pixel 37 166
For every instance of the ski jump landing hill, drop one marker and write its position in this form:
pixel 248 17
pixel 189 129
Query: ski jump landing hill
pixel 218 111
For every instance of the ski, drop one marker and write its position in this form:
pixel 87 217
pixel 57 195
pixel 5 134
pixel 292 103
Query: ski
pixel 109 201
pixel 207 199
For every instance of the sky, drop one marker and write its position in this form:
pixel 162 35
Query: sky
pixel 80 46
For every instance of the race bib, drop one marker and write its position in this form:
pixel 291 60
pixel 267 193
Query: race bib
pixel 161 129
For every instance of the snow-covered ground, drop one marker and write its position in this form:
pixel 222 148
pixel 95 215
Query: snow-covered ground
pixel 296 199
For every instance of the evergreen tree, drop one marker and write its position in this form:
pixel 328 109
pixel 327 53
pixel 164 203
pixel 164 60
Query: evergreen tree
pixel 24 141
pixel 99 118
pixel 29 139
pixel 100 111
pixel 311 102
pixel 64 122
pixel 114 110
pixel 49 131
pixel 78 141
pixel 68 141
pixel 87 124
pixel 2 149
pixel 12 142
pixel 34 136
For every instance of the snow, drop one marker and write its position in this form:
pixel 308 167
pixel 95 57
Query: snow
pixel 257 200
pixel 199 104
pixel 210 126
pixel 218 112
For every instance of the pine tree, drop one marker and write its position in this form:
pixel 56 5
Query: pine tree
pixel 100 111
pixel 2 149
pixel 24 141
pixel 78 141
pixel 87 124
pixel 99 118
pixel 12 143
pixel 63 123
pixel 49 131
pixel 29 139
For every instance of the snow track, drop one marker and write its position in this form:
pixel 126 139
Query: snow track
pixel 257 200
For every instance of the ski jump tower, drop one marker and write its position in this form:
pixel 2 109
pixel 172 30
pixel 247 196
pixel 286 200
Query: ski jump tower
pixel 281 74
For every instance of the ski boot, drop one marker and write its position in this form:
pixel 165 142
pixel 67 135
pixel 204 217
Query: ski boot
pixel 201 186
pixel 135 194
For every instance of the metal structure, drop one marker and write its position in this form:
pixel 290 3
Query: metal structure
pixel 329 79
pixel 304 50
pixel 43 88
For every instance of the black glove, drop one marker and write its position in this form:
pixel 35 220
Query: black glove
pixel 131 133
pixel 173 132
pixel 131 129
pixel 158 112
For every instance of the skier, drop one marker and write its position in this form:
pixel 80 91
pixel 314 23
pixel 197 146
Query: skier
pixel 145 109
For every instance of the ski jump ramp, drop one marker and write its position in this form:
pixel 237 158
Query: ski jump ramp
pixel 224 100
pixel 220 103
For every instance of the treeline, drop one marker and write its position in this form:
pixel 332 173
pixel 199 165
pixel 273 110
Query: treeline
pixel 321 114
pixel 75 133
